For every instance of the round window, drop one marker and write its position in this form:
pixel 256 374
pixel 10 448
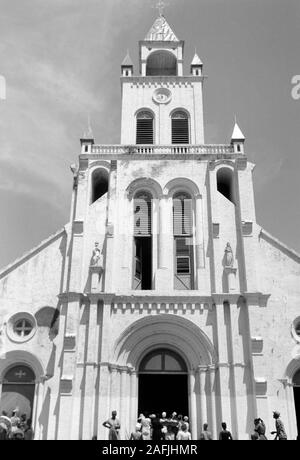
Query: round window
pixel 21 327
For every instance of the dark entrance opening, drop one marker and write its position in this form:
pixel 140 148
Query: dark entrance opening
pixel 296 383
pixel 163 393
pixel 297 407
pixel 163 384
pixel 143 263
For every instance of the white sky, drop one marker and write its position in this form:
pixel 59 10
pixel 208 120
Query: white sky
pixel 61 60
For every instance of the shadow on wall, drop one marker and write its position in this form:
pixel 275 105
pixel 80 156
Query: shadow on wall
pixel 48 317
pixel 44 415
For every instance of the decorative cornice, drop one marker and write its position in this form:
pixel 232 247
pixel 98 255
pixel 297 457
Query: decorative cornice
pixel 163 81
pixel 71 296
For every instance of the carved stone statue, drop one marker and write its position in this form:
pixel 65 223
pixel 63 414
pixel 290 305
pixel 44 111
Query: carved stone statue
pixel 96 257
pixel 228 256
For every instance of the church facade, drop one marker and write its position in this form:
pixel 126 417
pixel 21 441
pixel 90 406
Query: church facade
pixel 162 293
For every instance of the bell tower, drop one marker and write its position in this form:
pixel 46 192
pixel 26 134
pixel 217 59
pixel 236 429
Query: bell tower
pixel 162 106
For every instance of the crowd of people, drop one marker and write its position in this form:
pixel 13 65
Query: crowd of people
pixel 15 427
pixel 177 427
pixel 152 427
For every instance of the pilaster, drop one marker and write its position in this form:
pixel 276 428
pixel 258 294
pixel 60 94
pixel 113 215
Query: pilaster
pixel 165 246
pixel 110 230
pixel 71 307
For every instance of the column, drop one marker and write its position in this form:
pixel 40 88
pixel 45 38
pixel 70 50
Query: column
pixel 38 403
pixel 123 393
pixel 291 411
pixel 133 399
pixel 193 405
pixel 212 398
pixel 128 427
pixel 202 413
pixel 165 246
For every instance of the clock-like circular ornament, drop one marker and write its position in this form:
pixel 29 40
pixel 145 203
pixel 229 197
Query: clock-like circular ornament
pixel 162 95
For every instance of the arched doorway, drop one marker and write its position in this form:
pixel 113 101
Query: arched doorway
pixel 18 388
pixel 296 384
pixel 163 383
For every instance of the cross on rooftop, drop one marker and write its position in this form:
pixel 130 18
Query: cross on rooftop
pixel 161 5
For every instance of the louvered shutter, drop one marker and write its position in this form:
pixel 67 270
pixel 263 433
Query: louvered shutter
pixel 183 256
pixel 187 217
pixel 182 215
pixel 144 128
pixel 177 216
pixel 180 128
pixel 142 215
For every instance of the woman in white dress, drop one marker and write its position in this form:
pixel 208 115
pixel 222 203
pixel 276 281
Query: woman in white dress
pixel 146 427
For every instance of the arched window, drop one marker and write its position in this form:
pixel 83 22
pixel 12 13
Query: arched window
pixel 183 240
pixel 144 128
pixel 18 390
pixel 142 241
pixel 180 127
pixel 225 183
pixel 99 184
pixel 161 63
pixel 162 361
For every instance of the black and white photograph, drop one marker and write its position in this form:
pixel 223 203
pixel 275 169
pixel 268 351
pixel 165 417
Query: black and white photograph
pixel 150 216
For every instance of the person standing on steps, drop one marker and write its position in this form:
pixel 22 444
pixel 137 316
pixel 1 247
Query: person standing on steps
pixel 280 430
pixel 225 435
pixel 113 424
pixel 205 435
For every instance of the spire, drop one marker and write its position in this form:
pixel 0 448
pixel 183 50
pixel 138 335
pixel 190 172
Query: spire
pixel 237 134
pixel 127 66
pixel 127 61
pixel 88 134
pixel 237 139
pixel 161 31
pixel 87 139
pixel 196 60
pixel 196 66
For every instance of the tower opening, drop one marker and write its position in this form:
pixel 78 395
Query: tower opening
pixel 142 241
pixel 18 390
pixel 225 183
pixel 165 371
pixel 99 184
pixel 296 384
pixel 161 63
pixel 144 128
pixel 180 128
